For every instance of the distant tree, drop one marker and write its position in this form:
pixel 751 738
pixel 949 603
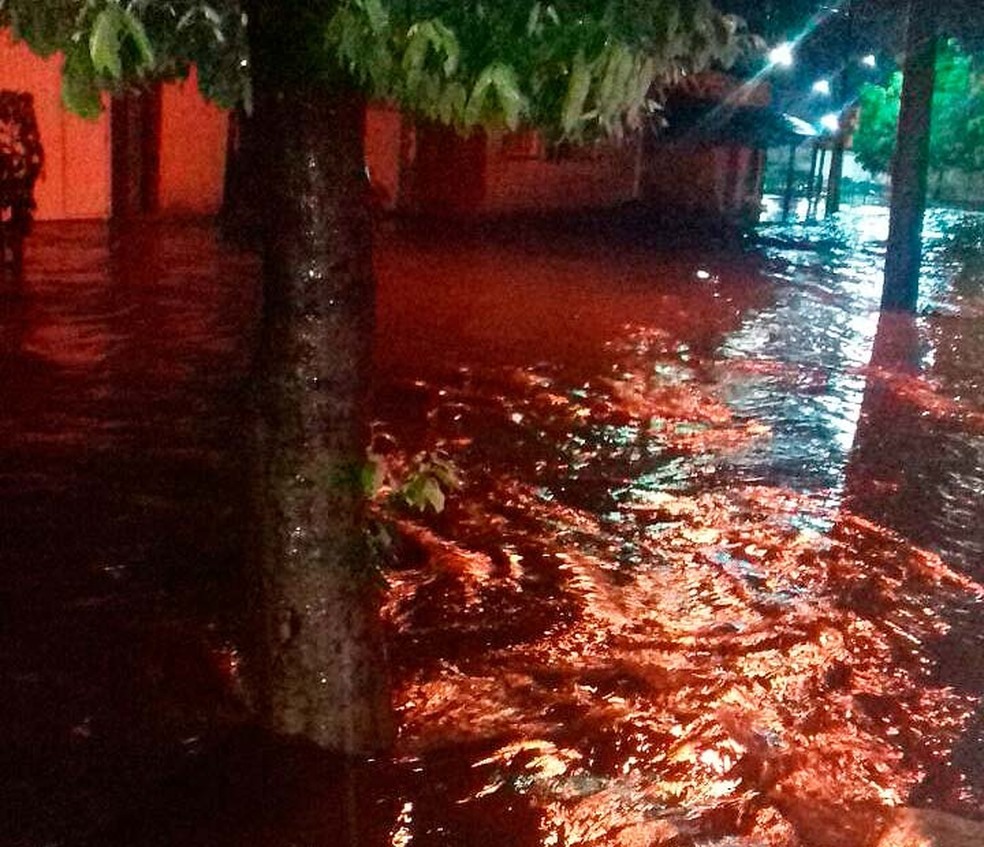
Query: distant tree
pixel 304 67
pixel 957 136
pixel 874 139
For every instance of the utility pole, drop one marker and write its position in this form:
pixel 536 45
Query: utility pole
pixel 842 92
pixel 910 162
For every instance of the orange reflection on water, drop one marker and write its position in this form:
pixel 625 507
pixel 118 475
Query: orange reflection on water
pixel 736 671
pixel 925 396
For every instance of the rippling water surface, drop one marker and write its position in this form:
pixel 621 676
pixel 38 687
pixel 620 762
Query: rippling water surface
pixel 712 576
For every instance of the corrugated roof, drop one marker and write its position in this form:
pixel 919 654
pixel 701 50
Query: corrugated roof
pixel 704 121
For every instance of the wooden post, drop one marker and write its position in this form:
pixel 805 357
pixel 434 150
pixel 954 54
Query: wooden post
pixel 814 156
pixel 816 180
pixel 787 197
pixel 910 162
pixel 836 174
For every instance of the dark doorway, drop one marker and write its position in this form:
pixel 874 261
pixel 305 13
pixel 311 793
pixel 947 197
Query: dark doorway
pixel 136 142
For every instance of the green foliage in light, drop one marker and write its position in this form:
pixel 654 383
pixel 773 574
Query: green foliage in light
pixel 874 139
pixel 108 45
pixel 573 67
pixel 421 482
pixel 957 135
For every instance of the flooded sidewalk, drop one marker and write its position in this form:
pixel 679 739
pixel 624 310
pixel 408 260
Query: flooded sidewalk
pixel 713 575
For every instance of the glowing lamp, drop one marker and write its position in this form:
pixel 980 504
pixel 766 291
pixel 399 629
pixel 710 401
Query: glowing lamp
pixel 782 54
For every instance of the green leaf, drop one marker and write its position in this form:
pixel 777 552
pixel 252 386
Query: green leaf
pixel 372 474
pixel 79 91
pixel 40 25
pixel 422 491
pixel 81 97
pixel 451 106
pixel 104 42
pixel 577 93
pixel 444 471
pixel 511 99
pixel 418 40
pixel 432 495
pixel 447 41
pixel 476 100
pixel 135 29
pixel 343 34
pixel 112 25
pixel 212 16
pixel 622 78
pixel 381 70
pixel 610 59
pixel 378 19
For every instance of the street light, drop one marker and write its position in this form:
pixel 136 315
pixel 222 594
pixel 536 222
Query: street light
pixel 822 86
pixel 830 122
pixel 782 55
pixel 869 61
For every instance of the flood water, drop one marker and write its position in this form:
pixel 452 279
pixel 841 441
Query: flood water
pixel 713 575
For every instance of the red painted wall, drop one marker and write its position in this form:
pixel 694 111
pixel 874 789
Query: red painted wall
pixel 590 177
pixel 384 131
pixel 423 170
pixel 75 182
pixel 77 175
pixel 713 182
pixel 193 149
pixel 500 173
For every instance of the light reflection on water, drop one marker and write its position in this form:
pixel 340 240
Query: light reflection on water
pixel 742 626
pixel 712 578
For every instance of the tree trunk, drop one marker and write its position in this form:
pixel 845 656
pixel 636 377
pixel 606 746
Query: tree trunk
pixel 242 188
pixel 911 161
pixel 787 194
pixel 938 187
pixel 318 666
pixel 836 175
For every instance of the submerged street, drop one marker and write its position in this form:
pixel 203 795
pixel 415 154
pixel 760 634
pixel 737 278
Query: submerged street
pixel 714 574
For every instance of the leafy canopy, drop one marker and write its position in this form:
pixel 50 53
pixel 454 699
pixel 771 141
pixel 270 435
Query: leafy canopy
pixel 110 44
pixel 573 67
pixel 957 133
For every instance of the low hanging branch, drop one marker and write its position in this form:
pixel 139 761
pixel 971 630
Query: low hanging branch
pixel 577 69
pixel 574 68
pixel 108 45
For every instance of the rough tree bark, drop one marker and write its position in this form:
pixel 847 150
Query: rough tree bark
pixel 317 668
pixel 911 161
